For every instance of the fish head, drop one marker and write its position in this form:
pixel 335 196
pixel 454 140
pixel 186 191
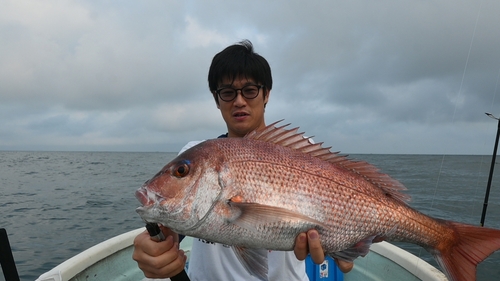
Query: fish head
pixel 182 194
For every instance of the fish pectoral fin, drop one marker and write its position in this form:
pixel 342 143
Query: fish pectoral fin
pixel 253 260
pixel 251 215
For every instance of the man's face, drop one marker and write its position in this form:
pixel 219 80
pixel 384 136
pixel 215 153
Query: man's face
pixel 242 115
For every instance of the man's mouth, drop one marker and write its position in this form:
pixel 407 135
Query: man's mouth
pixel 240 114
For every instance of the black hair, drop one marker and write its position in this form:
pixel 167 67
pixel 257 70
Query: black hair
pixel 239 60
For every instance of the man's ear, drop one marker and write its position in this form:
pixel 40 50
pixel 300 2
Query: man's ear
pixel 266 97
pixel 216 100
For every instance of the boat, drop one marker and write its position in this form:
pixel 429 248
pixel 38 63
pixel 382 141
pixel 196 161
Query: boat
pixel 112 260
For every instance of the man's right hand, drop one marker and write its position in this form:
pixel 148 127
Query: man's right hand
pixel 159 259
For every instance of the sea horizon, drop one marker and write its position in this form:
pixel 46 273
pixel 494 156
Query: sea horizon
pixel 341 152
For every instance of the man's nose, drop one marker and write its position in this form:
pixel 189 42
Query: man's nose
pixel 240 99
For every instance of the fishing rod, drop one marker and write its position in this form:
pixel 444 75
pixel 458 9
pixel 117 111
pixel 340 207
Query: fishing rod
pixel 492 167
pixel 6 258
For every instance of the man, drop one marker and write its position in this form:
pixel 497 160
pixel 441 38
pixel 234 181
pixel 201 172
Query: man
pixel 241 82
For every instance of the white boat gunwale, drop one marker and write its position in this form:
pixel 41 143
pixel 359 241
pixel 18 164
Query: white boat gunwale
pixel 86 259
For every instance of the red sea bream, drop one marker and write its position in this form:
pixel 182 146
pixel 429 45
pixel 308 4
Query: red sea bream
pixel 259 192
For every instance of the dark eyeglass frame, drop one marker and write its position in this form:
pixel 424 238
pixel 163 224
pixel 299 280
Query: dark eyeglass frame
pixel 235 92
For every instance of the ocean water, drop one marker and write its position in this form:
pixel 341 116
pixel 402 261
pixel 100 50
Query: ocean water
pixel 57 204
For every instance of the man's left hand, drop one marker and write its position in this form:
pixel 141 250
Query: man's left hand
pixel 309 243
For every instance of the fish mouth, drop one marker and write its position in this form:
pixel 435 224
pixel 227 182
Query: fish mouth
pixel 148 198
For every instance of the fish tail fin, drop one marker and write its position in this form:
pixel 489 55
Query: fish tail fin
pixel 470 246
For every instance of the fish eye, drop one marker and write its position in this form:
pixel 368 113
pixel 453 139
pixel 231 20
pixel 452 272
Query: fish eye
pixel 181 170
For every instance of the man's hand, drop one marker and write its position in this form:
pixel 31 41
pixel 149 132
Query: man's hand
pixel 309 243
pixel 159 259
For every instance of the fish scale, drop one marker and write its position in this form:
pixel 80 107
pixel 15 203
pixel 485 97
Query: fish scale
pixel 261 191
pixel 262 163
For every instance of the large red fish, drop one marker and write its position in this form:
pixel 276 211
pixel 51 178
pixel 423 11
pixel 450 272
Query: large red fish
pixel 261 191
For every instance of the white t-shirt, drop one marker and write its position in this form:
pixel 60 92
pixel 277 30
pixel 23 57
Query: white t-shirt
pixel 212 261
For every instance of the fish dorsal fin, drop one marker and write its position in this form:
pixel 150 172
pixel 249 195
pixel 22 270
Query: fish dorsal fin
pixel 291 139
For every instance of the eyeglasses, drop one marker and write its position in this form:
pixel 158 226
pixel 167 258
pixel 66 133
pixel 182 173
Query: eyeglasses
pixel 248 92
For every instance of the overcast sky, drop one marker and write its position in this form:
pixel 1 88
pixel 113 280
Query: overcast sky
pixel 367 76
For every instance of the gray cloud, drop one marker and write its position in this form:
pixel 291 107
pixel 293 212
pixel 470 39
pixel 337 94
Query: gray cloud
pixel 362 76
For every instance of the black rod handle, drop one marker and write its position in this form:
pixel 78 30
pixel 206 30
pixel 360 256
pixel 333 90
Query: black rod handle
pixel 6 258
